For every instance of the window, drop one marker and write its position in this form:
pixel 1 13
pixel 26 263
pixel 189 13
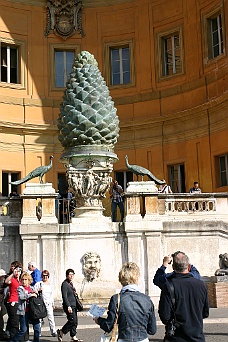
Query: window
pixel 223 168
pixel 213 34
pixel 123 177
pixel 177 178
pixel 9 64
pixel 120 65
pixel 7 178
pixel 63 65
pixel 119 69
pixel 61 60
pixel 170 53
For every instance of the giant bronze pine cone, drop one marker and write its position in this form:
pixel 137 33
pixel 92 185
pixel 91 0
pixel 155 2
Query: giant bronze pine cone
pixel 88 115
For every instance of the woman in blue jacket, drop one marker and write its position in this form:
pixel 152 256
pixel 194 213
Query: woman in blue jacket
pixel 136 318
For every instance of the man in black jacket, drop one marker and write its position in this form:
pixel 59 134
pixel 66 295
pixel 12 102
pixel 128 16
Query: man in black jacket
pixel 69 306
pixel 186 303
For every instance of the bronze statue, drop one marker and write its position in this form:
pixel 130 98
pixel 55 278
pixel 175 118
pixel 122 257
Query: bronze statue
pixel 142 171
pixel 223 264
pixel 38 172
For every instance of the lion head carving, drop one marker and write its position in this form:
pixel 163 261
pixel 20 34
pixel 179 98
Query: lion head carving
pixel 223 264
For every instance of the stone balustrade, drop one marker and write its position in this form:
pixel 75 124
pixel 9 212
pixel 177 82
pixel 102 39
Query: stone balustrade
pixel 141 204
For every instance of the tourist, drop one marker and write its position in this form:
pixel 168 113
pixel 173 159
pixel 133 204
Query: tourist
pixel 35 272
pixel 183 303
pixel 47 293
pixel 161 277
pixel 196 189
pixel 136 318
pixel 3 335
pixel 13 265
pixel 24 293
pixel 13 280
pixel 115 193
pixel 69 306
pixel 165 188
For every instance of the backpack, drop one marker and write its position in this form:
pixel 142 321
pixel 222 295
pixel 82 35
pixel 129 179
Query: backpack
pixel 37 308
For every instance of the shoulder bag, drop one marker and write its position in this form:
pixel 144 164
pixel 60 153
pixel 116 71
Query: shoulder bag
pixel 172 325
pixel 112 336
pixel 37 308
pixel 79 305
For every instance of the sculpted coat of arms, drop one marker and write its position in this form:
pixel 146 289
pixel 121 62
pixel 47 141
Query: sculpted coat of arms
pixel 64 17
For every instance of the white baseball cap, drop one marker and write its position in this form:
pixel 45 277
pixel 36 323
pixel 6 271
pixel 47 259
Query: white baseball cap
pixel 2 272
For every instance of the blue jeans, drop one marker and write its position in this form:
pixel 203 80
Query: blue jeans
pixel 22 330
pixel 114 207
pixel 24 322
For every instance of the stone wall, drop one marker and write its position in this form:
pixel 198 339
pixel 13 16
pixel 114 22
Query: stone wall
pixel 198 225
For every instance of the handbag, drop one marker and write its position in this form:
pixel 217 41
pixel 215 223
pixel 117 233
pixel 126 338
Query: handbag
pixel 112 336
pixel 37 308
pixel 79 305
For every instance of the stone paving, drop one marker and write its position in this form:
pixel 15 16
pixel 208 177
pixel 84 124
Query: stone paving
pixel 215 328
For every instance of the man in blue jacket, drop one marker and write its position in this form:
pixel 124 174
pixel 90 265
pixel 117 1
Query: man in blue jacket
pixel 183 303
pixel 35 272
pixel 161 277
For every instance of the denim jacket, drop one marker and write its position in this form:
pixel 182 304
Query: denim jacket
pixel 22 300
pixel 136 316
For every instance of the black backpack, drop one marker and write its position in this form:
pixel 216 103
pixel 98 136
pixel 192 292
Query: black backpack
pixel 37 308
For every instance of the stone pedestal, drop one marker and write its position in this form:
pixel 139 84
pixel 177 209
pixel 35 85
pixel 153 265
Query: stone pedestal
pixel 218 292
pixel 42 194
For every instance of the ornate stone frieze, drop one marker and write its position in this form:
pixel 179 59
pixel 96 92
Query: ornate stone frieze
pixel 89 186
pixel 64 17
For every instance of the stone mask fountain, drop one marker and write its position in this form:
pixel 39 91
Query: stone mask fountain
pixel 88 130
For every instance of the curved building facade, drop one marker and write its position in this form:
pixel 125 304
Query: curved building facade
pixel 165 64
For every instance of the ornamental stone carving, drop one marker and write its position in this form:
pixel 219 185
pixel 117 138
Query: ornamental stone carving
pixel 91 265
pixel 88 130
pixel 64 17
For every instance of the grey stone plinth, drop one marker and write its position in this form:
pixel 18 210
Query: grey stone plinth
pixel 218 279
pixel 141 187
pixel 38 189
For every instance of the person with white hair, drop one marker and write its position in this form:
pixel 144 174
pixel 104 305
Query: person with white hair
pixel 35 272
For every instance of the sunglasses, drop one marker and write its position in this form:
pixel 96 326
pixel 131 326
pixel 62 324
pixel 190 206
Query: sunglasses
pixel 45 275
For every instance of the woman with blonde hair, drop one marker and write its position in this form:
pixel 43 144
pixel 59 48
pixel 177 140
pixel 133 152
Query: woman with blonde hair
pixel 136 318
pixel 25 291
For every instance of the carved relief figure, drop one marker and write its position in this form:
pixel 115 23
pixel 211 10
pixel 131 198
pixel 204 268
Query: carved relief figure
pixel 223 264
pixel 64 17
pixel 91 265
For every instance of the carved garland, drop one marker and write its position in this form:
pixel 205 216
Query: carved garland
pixel 64 17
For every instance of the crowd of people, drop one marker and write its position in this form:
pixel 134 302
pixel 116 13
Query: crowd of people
pixel 16 288
pixel 182 307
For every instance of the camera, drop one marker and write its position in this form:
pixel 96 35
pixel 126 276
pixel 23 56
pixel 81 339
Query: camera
pixel 170 328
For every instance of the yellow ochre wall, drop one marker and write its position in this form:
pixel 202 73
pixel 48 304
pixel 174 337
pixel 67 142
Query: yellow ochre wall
pixel 183 119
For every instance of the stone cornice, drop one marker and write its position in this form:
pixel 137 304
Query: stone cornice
pixel 86 3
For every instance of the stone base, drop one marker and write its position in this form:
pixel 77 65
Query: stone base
pixel 141 187
pixel 38 189
pixel 88 213
pixel 218 294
